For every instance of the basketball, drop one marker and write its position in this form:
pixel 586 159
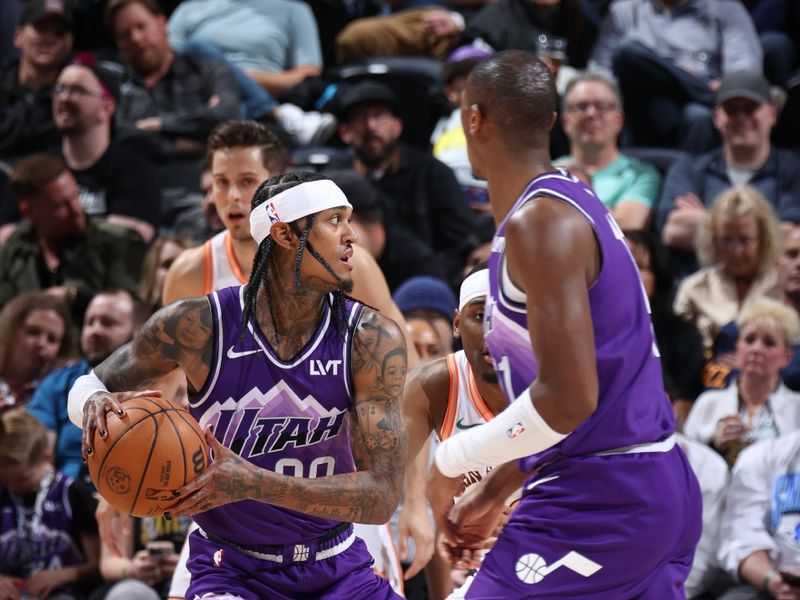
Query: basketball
pixel 148 454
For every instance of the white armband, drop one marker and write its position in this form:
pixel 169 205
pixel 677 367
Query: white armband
pixel 516 432
pixel 84 386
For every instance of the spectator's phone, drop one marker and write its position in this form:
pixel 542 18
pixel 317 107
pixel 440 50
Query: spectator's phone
pixel 790 579
pixel 159 548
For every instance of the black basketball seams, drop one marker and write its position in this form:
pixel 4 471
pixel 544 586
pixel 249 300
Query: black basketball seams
pixel 201 438
pixel 138 455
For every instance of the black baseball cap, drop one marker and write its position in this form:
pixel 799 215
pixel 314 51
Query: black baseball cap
pixel 37 10
pixel 744 84
pixel 367 92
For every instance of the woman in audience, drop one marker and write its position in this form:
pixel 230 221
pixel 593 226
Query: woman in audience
pixel 160 256
pixel 757 405
pixel 739 244
pixel 36 337
pixel 679 342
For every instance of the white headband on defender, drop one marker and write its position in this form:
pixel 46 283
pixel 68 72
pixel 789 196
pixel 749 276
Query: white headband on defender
pixel 474 286
pixel 295 203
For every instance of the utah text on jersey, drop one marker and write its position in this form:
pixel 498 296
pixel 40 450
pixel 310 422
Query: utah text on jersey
pixel 250 428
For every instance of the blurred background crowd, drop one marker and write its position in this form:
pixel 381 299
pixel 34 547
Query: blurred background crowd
pixel 124 130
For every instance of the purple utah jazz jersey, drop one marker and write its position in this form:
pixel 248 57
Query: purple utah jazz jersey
pixel 288 417
pixel 632 406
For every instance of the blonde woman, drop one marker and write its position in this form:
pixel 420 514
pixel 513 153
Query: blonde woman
pixel 738 244
pixel 757 405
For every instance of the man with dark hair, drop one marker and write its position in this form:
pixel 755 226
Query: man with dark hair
pixel 420 192
pixel 56 247
pixel 44 40
pixel 241 155
pixel 399 254
pixel 568 329
pixel 275 368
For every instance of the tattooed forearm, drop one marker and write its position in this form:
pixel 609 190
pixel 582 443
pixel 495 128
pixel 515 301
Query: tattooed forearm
pixel 178 335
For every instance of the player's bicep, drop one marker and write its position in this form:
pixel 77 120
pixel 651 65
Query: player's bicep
pixel 554 258
pixel 178 335
pixel 379 362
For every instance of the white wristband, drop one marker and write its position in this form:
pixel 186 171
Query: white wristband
pixel 516 432
pixel 84 386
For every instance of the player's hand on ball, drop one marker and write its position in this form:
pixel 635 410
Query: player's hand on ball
pixel 223 482
pixel 476 517
pixel 441 491
pixel 94 414
pixel 460 556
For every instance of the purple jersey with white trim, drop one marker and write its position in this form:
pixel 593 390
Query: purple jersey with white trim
pixel 632 406
pixel 290 417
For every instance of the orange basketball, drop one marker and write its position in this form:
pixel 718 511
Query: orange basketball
pixel 148 454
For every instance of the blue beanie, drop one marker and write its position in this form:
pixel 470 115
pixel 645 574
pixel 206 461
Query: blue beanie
pixel 425 292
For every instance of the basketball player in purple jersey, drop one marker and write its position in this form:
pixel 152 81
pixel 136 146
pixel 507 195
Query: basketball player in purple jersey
pixel 610 508
pixel 288 372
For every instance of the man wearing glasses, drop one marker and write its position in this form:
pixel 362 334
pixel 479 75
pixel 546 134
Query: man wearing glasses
pixel 744 116
pixel 592 118
pixel 115 182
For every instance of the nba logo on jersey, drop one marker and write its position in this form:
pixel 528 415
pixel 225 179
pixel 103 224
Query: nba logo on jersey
pixel 272 213
pixel 516 430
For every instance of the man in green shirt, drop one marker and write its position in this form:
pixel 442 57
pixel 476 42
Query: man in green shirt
pixel 592 118
pixel 56 248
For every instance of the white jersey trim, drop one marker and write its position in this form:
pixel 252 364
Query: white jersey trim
pixel 278 363
pixel 217 368
pixel 348 336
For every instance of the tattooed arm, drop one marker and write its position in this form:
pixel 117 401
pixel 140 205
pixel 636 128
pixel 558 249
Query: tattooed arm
pixel 178 335
pixel 378 442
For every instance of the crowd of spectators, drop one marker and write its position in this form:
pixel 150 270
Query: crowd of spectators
pixel 119 157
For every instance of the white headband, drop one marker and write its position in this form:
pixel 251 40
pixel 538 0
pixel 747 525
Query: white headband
pixel 474 286
pixel 295 203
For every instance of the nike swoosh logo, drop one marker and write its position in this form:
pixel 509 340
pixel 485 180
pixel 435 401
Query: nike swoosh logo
pixel 233 354
pixel 461 425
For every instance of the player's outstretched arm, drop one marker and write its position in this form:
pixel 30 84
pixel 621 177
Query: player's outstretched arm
pixel 378 440
pixel 178 335
pixel 426 383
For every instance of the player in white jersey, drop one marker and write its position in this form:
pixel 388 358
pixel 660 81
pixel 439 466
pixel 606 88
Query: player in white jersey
pixel 453 393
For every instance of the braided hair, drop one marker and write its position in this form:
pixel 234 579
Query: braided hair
pixel 261 262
